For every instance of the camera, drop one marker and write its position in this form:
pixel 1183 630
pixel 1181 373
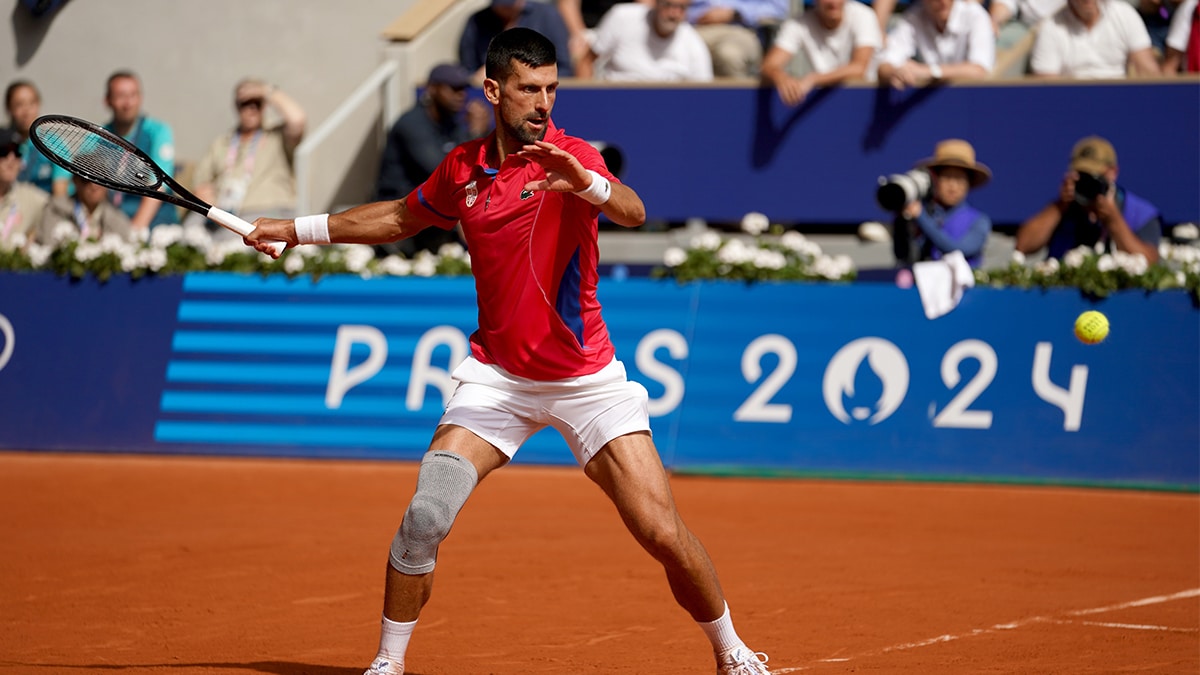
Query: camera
pixel 899 189
pixel 1088 187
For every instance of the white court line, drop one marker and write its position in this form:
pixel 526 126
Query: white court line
pixel 1134 626
pixel 1154 600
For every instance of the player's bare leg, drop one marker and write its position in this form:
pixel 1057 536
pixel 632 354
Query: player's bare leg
pixel 631 473
pixel 405 594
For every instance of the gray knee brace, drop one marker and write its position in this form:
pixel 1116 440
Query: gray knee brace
pixel 443 485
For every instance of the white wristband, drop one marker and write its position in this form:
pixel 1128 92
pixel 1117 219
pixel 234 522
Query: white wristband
pixel 313 229
pixel 935 71
pixel 598 192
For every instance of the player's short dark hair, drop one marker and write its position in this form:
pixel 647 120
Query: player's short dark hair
pixel 521 44
pixel 12 88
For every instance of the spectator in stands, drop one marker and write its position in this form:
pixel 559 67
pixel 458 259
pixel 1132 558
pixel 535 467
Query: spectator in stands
pixel 123 96
pixel 641 42
pixel 22 205
pixel 943 221
pixel 1156 16
pixel 737 32
pixel 938 40
pixel 1090 39
pixel 501 15
pixel 1014 21
pixel 420 139
pixel 89 210
pixel 24 105
pixel 836 41
pixel 1092 210
pixel 1183 40
pixel 580 16
pixel 248 170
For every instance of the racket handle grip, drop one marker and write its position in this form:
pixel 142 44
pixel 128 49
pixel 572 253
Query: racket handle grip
pixel 232 222
pixel 235 223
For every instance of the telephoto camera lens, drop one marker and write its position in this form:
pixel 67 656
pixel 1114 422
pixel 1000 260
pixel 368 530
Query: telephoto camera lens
pixel 899 189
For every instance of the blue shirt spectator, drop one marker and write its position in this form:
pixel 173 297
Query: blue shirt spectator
pixel 155 138
pixel 501 15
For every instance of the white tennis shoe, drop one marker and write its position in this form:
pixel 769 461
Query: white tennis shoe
pixel 742 661
pixel 383 665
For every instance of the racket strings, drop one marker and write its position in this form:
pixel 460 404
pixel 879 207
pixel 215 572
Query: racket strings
pixel 96 157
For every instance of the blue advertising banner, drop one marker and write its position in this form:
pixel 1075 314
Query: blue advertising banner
pixel 807 379
pixel 721 152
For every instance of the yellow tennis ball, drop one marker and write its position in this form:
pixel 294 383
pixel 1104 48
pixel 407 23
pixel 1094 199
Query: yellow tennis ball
pixel 1091 327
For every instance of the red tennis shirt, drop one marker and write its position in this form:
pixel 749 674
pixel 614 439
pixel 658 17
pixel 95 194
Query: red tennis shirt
pixel 533 254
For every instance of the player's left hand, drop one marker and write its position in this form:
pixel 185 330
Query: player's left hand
pixel 564 173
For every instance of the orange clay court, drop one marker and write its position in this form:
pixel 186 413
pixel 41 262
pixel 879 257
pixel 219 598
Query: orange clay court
pixel 187 565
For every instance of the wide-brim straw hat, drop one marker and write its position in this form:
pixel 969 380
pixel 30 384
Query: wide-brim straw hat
pixel 958 153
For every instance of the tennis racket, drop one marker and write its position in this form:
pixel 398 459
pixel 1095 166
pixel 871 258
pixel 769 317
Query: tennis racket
pixel 97 154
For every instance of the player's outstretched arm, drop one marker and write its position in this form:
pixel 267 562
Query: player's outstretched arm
pixel 375 223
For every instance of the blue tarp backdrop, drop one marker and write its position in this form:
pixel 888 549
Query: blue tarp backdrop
pixel 822 379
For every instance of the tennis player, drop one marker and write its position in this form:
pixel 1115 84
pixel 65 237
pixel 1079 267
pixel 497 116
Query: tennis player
pixel 528 197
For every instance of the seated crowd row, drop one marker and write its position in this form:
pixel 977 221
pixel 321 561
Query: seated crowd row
pixel 829 42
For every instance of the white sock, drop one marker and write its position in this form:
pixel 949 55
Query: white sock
pixel 721 633
pixel 393 638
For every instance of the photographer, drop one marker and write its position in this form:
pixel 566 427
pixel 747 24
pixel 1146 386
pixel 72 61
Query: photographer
pixel 1092 209
pixel 939 221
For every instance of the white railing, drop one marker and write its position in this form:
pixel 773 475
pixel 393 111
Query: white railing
pixel 381 81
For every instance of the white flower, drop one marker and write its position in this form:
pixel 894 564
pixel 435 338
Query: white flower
pixel 1049 266
pixel 396 266
pixel 424 265
pixel 39 254
pixel 152 258
pixel 311 251
pixel 1019 258
pixel 734 252
pixel 451 249
pixel 793 240
pixel 770 260
pixel 65 230
pixel 163 236
pixel 357 256
pixel 1075 257
pixel 707 241
pixel 674 256
pixel 196 235
pixel 88 251
pixel 1133 263
pixel 114 243
pixel 1186 231
pixel 1106 263
pixel 1180 278
pixel 755 223
pixel 221 249
pixel 293 264
pixel 845 264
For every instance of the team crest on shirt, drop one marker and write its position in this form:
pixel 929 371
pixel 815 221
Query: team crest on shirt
pixel 526 194
pixel 472 194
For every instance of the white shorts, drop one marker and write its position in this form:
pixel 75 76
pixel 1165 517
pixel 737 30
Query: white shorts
pixel 505 410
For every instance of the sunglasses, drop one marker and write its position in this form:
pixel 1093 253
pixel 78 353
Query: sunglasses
pixel 10 150
pixel 250 103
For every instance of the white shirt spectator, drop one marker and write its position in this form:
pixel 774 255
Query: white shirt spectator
pixel 1066 47
pixel 1181 26
pixel 828 49
pixel 628 48
pixel 968 37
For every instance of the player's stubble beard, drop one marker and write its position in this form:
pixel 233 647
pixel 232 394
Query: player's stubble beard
pixel 523 134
